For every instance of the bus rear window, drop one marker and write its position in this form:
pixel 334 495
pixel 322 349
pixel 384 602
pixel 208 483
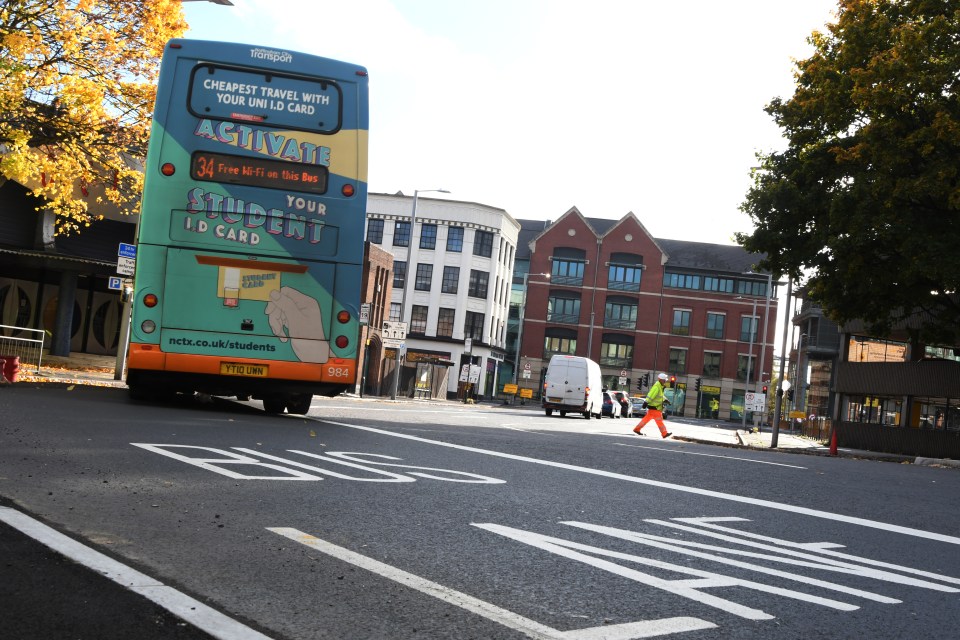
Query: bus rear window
pixel 268 98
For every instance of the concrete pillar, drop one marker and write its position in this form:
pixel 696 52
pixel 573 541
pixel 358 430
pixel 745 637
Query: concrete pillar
pixel 66 299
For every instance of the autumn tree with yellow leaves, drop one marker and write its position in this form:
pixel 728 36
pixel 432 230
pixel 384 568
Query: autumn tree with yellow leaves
pixel 77 87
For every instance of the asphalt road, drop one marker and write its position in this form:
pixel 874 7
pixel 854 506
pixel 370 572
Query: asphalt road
pixel 381 520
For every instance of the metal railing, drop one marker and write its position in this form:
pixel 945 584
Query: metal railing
pixel 29 350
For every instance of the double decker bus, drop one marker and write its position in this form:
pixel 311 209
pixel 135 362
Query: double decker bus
pixel 250 241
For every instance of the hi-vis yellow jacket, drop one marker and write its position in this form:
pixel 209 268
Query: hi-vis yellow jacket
pixel 655 396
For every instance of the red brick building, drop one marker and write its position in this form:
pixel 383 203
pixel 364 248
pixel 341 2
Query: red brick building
pixel 641 305
pixel 376 288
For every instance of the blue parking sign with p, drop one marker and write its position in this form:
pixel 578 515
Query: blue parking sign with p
pixel 114 283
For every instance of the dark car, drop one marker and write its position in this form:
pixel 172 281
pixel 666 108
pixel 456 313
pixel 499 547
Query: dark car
pixel 611 406
pixel 621 397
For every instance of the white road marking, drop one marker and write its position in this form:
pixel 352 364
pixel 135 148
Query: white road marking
pixel 530 628
pixel 816 513
pixel 709 455
pixel 179 604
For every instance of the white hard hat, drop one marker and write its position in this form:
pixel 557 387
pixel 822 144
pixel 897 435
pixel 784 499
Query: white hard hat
pixel 662 376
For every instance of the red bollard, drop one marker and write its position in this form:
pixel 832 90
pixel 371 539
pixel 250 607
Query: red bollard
pixel 10 367
pixel 833 442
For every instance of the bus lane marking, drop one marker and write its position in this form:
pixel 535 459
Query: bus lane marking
pixel 734 553
pixel 526 626
pixel 294 470
pixel 758 502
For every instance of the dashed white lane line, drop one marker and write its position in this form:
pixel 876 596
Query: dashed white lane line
pixel 530 628
pixel 179 604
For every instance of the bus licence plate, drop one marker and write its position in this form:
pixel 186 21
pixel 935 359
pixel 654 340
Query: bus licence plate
pixel 243 369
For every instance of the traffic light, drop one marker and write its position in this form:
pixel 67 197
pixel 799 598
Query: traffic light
pixel 764 389
pixel 673 380
pixel 640 383
pixel 697 386
pixel 790 394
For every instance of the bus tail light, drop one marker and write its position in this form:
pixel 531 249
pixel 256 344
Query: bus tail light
pixel 148 326
pixel 168 169
pixel 150 300
pixel 342 342
pixel 347 190
pixel 343 317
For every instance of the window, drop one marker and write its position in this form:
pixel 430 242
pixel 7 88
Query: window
pixel 615 353
pixel 482 243
pixel 681 322
pixel 752 287
pixel 418 319
pixel 424 276
pixel 401 234
pixel 742 362
pixel 715 325
pixel 711 364
pixel 445 322
pixel 624 277
pixel 678 361
pixel 451 280
pixel 399 274
pixel 567 272
pixel 478 284
pixel 620 314
pixel 394 312
pixel 375 231
pixel 455 239
pixel 748 328
pixel 428 236
pixel 723 285
pixel 473 326
pixel 680 280
pixel 559 344
pixel 565 310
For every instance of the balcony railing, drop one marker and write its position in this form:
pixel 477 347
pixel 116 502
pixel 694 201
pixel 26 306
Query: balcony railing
pixel 617 285
pixel 570 281
pixel 611 361
pixel 563 318
pixel 619 323
pixel 547 353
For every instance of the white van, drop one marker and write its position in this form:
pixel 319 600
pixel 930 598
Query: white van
pixel 573 385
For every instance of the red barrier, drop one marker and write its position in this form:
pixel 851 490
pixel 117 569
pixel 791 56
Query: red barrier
pixel 10 367
pixel 833 442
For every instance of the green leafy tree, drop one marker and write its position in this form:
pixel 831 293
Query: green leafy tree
pixel 77 86
pixel 864 201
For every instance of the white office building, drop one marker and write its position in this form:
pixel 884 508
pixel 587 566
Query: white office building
pixel 452 275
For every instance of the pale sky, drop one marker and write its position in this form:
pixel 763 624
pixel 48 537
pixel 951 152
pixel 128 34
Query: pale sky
pixel 536 106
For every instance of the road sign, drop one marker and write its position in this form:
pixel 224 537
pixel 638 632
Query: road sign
pixel 365 313
pixel 114 283
pixel 526 374
pixel 394 331
pixel 526 366
pixel 755 401
pixel 623 373
pixel 126 266
pixel 127 250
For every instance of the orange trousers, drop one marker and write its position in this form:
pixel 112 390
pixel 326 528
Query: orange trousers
pixel 657 416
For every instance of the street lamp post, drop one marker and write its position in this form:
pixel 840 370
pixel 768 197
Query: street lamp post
pixel 406 282
pixel 520 314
